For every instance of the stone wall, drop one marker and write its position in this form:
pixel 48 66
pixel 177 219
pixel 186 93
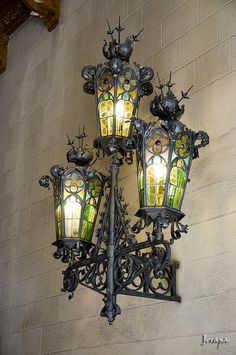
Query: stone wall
pixel 41 99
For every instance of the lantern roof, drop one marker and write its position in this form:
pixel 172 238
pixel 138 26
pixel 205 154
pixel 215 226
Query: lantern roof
pixel 166 105
pixel 80 155
pixel 118 53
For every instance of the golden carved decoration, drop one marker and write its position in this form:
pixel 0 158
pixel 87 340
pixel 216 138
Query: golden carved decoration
pixel 47 10
pixel 3 51
pixel 14 12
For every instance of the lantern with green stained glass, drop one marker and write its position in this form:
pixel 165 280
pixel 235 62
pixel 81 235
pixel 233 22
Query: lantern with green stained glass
pixel 165 151
pixel 77 195
pixel 118 88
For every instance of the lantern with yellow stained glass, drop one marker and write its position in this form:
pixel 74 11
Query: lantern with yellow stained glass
pixel 117 88
pixel 77 195
pixel 164 155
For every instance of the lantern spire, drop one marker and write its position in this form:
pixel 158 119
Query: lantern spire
pixel 80 155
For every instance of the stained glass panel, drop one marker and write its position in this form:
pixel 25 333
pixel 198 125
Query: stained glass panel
pixel 177 183
pixel 72 214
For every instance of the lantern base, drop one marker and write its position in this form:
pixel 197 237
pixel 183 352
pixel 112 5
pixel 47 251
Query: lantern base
pixel 164 215
pixel 81 244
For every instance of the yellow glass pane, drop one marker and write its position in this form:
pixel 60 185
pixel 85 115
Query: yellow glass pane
pixel 156 174
pixel 124 109
pixel 173 176
pixel 126 127
pixel 128 109
pixel 151 196
pixel 105 108
pixel 160 195
pixel 178 195
pixel 103 123
pixel 72 208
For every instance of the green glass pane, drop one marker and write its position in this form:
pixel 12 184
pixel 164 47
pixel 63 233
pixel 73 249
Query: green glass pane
pixel 106 95
pixel 177 198
pixel 59 230
pixel 181 178
pixel 125 96
pixel 151 195
pixel 86 212
pixel 173 176
pixel 92 213
pixel 140 179
pixel 160 194
pixel 84 228
pixel 171 195
pixel 88 232
pixel 142 197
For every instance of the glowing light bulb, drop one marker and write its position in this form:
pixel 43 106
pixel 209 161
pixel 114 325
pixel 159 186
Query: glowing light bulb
pixel 71 207
pixel 120 108
pixel 159 171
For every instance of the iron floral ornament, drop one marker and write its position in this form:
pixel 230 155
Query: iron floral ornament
pixel 111 261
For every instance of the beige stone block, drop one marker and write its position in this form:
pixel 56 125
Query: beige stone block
pixel 75 46
pixel 184 78
pixel 30 343
pixel 51 338
pixel 205 110
pixel 133 5
pixel 34 122
pixel 95 31
pixel 4 298
pixel 41 72
pixel 227 26
pixel 30 170
pixel 199 39
pixel 207 8
pixel 16 269
pixel 35 263
pixel 31 102
pixel 116 9
pixel 5 322
pixel 179 21
pixel 153 11
pixel 167 59
pixel 45 234
pixel 233 52
pixel 132 25
pixel 85 59
pixel 150 42
pixel 13 247
pixel 11 344
pixel 72 93
pixel 36 193
pixel 48 311
pixel 4 267
pixel 72 5
pixel 213 64
pixel 39 213
pixel 57 281
pixel 176 3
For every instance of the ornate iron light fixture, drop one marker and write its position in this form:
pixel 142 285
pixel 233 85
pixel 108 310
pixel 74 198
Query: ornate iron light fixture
pixel 113 262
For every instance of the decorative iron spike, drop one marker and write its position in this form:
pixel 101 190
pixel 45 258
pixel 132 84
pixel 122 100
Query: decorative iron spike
pixel 135 37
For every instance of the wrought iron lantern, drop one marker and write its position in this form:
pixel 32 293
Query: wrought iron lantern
pixel 165 151
pixel 77 194
pixel 114 262
pixel 118 88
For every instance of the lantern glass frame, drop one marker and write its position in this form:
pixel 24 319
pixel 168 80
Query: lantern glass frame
pixel 88 195
pixel 157 145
